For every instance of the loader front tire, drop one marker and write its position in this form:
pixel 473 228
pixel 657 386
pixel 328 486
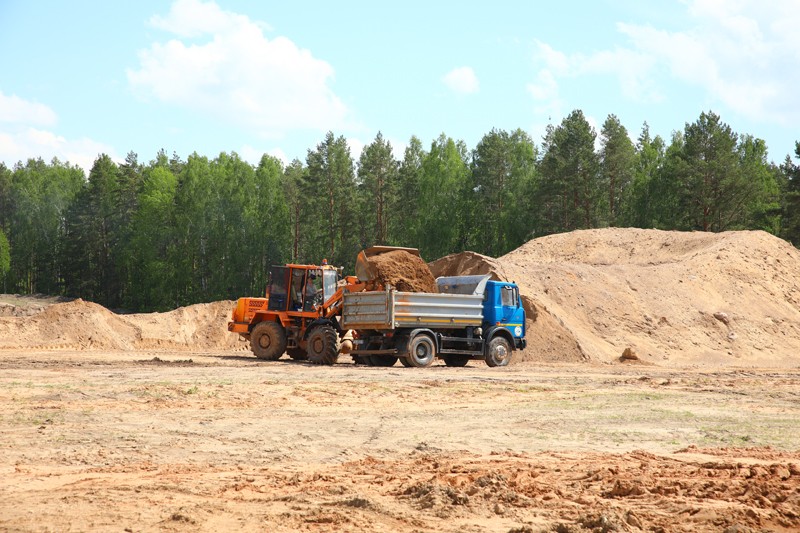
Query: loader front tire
pixel 268 341
pixel 322 345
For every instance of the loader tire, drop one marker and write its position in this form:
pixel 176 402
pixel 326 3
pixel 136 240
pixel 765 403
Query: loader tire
pixel 498 353
pixel 322 345
pixel 421 351
pixel 456 360
pixel 268 341
pixel 298 354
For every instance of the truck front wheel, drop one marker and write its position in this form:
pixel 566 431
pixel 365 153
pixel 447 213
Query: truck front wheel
pixel 268 340
pixel 498 353
pixel 421 351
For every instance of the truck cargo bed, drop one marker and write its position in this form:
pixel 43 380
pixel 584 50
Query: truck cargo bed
pixel 383 310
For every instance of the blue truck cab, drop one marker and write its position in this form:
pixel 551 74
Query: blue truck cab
pixel 502 308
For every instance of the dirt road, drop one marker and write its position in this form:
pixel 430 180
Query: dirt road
pixel 138 441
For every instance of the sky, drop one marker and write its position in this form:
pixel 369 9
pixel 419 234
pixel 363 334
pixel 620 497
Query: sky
pixel 86 77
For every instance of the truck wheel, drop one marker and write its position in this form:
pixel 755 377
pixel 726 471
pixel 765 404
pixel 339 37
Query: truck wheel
pixel 383 360
pixel 323 345
pixel 421 351
pixel 268 341
pixel 298 354
pixel 498 353
pixel 456 360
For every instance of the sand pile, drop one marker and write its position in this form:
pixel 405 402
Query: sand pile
pixel 403 271
pixel 84 325
pixel 672 297
pixel 467 264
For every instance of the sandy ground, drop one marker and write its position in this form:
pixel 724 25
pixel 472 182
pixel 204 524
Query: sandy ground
pixel 165 421
pixel 159 440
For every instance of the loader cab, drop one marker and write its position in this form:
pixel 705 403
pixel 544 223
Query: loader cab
pixel 299 288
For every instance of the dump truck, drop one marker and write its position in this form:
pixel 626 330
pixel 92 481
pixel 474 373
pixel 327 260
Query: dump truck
pixel 471 317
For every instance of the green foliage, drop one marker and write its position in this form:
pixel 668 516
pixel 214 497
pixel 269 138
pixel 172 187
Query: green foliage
pixel 5 255
pixel 503 175
pixel 790 208
pixel 640 205
pixel 329 190
pixel 570 191
pixel 404 227
pixel 378 174
pixel 170 232
pixel 40 195
pixel 443 183
pixel 617 166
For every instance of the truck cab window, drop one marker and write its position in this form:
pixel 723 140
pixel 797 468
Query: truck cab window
pixel 508 297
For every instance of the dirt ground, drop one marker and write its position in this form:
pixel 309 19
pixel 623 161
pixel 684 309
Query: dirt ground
pixel 159 440
pixel 165 421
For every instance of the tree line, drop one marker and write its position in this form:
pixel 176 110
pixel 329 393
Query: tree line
pixel 170 232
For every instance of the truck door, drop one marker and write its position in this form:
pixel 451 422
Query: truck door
pixel 513 316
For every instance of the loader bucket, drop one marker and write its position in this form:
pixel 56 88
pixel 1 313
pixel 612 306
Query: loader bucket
pixel 364 270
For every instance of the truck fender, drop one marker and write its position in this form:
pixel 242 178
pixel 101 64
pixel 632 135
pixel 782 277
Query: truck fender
pixel 494 331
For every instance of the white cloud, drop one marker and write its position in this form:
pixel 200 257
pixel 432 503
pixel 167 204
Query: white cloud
pixel 461 80
pixel 254 155
pixel 21 138
pixel 356 147
pixel 743 54
pixel 230 69
pixel 29 142
pixel 15 110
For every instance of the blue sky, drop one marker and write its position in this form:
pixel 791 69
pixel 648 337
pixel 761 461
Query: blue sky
pixel 85 77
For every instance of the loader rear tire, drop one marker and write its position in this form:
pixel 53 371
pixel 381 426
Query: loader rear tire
pixel 268 341
pixel 421 351
pixel 323 345
pixel 498 353
pixel 456 360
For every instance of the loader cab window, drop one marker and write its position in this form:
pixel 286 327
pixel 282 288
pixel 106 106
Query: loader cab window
pixel 312 294
pixel 296 290
pixel 278 288
pixel 328 283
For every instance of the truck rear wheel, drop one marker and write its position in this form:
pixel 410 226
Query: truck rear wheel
pixel 456 360
pixel 498 353
pixel 322 345
pixel 421 351
pixel 268 340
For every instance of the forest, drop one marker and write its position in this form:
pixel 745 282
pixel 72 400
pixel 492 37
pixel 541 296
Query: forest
pixel 154 236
